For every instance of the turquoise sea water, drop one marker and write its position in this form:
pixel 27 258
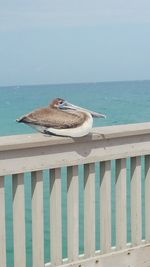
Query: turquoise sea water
pixel 122 102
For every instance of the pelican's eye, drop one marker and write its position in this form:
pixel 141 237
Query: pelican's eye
pixel 60 102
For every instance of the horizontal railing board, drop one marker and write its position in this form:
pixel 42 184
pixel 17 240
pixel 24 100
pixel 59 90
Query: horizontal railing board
pixel 60 155
pixel 16 142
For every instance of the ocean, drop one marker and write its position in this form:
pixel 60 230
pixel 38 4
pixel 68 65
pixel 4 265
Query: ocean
pixel 122 102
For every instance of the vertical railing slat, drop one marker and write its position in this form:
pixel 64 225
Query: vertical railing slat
pixel 105 206
pixel 121 204
pixel 37 219
pixel 55 217
pixel 89 209
pixel 136 200
pixel 73 212
pixel 2 224
pixel 19 220
pixel 147 198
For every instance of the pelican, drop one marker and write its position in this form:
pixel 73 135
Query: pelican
pixel 61 118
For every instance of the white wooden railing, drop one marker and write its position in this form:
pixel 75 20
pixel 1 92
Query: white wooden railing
pixel 116 156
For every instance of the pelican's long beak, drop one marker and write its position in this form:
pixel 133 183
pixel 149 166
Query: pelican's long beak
pixel 67 105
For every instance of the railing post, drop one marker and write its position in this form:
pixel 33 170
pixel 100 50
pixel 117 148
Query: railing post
pixel 19 220
pixel 73 212
pixel 89 209
pixel 37 219
pixel 2 224
pixel 121 204
pixel 147 198
pixel 55 217
pixel 136 200
pixel 105 206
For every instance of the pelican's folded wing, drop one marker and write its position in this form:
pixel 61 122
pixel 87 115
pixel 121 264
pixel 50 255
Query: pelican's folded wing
pixel 54 118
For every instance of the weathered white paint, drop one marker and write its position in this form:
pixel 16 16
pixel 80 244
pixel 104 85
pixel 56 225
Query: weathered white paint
pixel 134 257
pixel 37 219
pixel 147 198
pixel 55 217
pixel 73 213
pixel 19 220
pixel 136 201
pixel 35 153
pixel 89 210
pixel 44 152
pixel 99 133
pixel 32 159
pixel 2 224
pixel 121 204
pixel 105 206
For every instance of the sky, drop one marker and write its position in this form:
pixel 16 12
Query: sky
pixel 66 41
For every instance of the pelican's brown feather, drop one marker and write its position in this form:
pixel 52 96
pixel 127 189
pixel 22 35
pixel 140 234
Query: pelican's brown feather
pixel 54 118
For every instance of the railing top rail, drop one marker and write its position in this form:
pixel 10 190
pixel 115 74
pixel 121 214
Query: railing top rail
pixel 100 133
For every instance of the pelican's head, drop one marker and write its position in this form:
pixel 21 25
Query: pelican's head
pixel 57 102
pixel 64 105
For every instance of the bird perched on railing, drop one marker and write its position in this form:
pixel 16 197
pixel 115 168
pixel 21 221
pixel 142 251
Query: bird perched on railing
pixel 61 118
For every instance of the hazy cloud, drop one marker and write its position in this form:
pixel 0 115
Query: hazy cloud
pixel 61 13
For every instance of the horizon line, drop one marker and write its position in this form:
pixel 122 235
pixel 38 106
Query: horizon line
pixel 72 83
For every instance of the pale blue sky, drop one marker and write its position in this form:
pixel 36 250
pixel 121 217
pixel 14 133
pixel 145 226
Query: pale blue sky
pixel 65 41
